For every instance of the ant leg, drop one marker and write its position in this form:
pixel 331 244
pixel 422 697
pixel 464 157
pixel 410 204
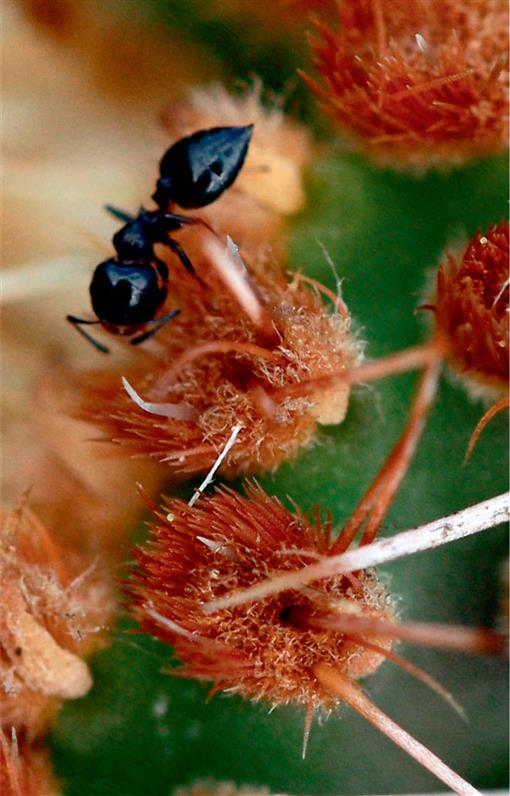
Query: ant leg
pixel 158 323
pixel 187 220
pixel 120 214
pixel 162 268
pixel 181 254
pixel 78 322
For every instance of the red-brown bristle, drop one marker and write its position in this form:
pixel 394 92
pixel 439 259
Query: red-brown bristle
pixel 25 770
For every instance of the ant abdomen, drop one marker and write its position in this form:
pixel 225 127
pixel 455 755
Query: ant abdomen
pixel 126 294
pixel 197 169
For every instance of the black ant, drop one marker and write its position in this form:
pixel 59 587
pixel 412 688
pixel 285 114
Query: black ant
pixel 127 290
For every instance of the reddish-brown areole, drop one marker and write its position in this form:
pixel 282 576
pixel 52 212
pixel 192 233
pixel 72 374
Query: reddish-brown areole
pixel 417 84
pixel 472 308
pixel 305 643
pixel 470 332
pixel 264 651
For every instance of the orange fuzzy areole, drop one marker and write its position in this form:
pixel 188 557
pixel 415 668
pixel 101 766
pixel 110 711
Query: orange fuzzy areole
pixel 51 613
pixel 215 364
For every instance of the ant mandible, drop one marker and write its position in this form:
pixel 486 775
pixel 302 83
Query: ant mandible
pixel 127 290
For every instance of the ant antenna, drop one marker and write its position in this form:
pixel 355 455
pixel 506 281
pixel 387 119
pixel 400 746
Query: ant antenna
pixel 78 322
pixel 120 214
pixel 158 323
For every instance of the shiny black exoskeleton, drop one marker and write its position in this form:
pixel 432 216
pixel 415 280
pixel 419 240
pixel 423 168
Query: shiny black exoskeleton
pixel 196 170
pixel 137 238
pixel 126 291
pixel 127 294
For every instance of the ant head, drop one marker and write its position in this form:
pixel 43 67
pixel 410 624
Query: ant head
pixel 197 169
pixel 126 294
